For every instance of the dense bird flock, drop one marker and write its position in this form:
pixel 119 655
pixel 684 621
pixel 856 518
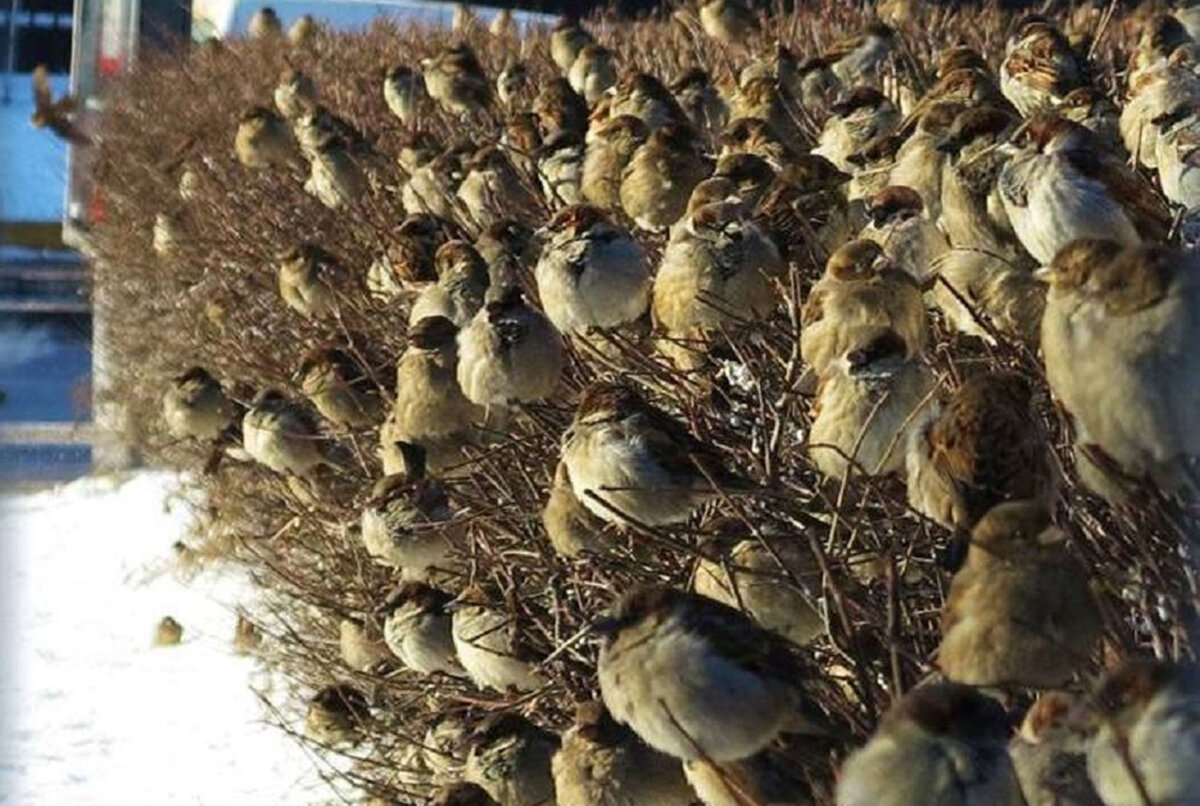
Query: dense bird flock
pixel 729 406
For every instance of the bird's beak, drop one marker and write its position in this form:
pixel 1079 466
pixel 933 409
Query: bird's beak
pixel 1043 274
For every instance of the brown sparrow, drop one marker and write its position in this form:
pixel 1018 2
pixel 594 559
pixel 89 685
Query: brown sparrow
pixel 868 402
pixel 303 31
pixel 1019 612
pixel 728 21
pixel 1039 69
pixel 700 101
pixel 856 61
pixel 602 763
pixel 360 651
pixel 863 115
pixel 462 283
pixel 490 645
pixel 897 221
pixel 283 435
pixel 54 115
pixel 567 39
pixel 591 273
pixel 1177 155
pixel 749 174
pixel 195 406
pixel 808 190
pixel 264 24
pixel 263 140
pixel 572 529
pixel 972 211
pixel 628 460
pixel 456 81
pixel 860 292
pixel 560 169
pixel 432 186
pixel 406 264
pixel 1049 754
pixel 919 163
pixel 339 387
pixel 999 290
pixel 1061 185
pixel 337 714
pixel 980 448
pixel 1146 747
pixel 671 663
pixel 1155 91
pixel 492 190
pixel 610 145
pixel 168 632
pixel 1118 322
pixel 559 108
pixel 660 176
pixel 754 136
pixel 762 98
pixel 315 126
pixel 309 281
pixel 335 177
pixel 295 93
pixel 509 353
pixel 512 79
pixel 593 72
pixel 1095 111
pixel 644 96
pixel 430 406
pixel 417 629
pixel 510 251
pixel 941 743
pixel 403 90
pixel 510 757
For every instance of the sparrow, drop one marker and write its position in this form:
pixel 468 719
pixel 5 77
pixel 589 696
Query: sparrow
pixel 491 646
pixel 512 79
pixel 610 145
pixel 360 651
pixel 718 271
pixel 980 448
pixel 1092 109
pixel 315 126
pixel 872 164
pixel 762 98
pixel 417 630
pixel 804 202
pixel 1158 40
pixel 567 39
pixel 593 72
pixel 340 388
pixel 509 353
pixel 860 292
pixel 493 189
pixel 1060 185
pixel 701 103
pixel 919 163
pixel 1153 92
pixel 337 714
pixel 54 115
pixel 591 273
pixel 940 743
pixel 671 663
pixel 310 280
pixel 645 97
pixel 571 528
pixel 728 21
pixel 559 108
pixel 462 18
pixel 406 265
pixel 462 793
pixel 1049 754
pixel 754 136
pixel 194 406
pixel 560 169
pixel 406 523
pixel 432 186
pixel 1001 290
pixel 303 31
pixel 510 250
pixel 168 632
pixel 749 175
pixel 861 116
pixel 1188 14
pixel 1177 155
pixel 972 211
pixel 335 177
pixel 264 24
pixel 462 283
pixel 856 61
pixel 510 757
pixel 1039 68
pixel 456 81
pixel 443 747
pixel 628 460
pixel 295 93
pixel 603 763
pixel 773 580
pixel 1146 749
pixel 403 91
pixel 503 23
pixel 660 176
pixel 263 140
pixel 868 402
pixel 1019 612
pixel 897 221
pixel 1115 335
pixel 283 435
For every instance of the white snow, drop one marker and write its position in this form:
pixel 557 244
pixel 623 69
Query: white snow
pixel 91 712
pixel 33 162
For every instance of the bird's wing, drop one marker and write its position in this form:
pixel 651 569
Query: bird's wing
pixel 1148 212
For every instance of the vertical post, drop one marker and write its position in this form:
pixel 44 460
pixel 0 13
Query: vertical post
pixel 10 56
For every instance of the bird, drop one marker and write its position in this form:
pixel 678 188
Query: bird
pixel 974 284
pixel 804 209
pixel 493 189
pixel 1049 753
pixel 337 714
pixel 510 757
pixel 567 39
pixel 559 168
pixel 1095 111
pixel 263 140
pixel 559 108
pixel 630 461
pixel 591 274
pixel 1019 612
pixel 456 81
pixel 919 162
pixel 897 221
pixel 335 177
pixel 513 78
pixel 1146 748
pixel 1115 339
pixel 490 644
pixel 361 647
pixel 728 21
pixel 572 529
pixel 403 91
pixel 660 176
pixel 593 72
pixel 168 632
pixel 463 793
pixel 283 435
pixel 603 763
pixel 863 115
pixel 645 97
pixel 264 24
pixel 671 662
pixel 458 293
pixel 856 60
pixel 980 448
pixel 195 406
pixel 416 629
pixel 1039 69
pixel 972 211
pixel 407 264
pixel 432 186
pixel 339 387
pixel 868 403
pixel 509 353
pixel 860 291
pixel 443 749
pixel 1177 155
pixel 749 175
pixel 510 248
pixel 763 99
pixel 303 31
pixel 1060 185
pixel 1153 92
pixel 310 280
pixel 700 101
pixel 57 116
pixel 773 580
pixel 940 743
pixel 610 145
pixel 295 93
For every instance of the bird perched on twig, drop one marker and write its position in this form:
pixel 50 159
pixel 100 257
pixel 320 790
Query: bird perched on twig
pixel 310 280
pixel 660 176
pixel 339 387
pixel 295 93
pixel 264 24
pixel 462 283
pixel 856 60
pixel 1039 69
pixel 862 116
pixel 456 81
pixel 610 145
pixel 417 629
pixel 492 190
pixel 728 21
pixel 897 221
pixel 403 90
pixel 360 644
pixel 195 406
pixel 54 115
pixel 593 72
pixel 1049 754
pixel 567 39
pixel 337 714
pixel 571 527
pixel 512 79
pixel 491 647
pixel 283 435
pixel 510 757
pixel 559 168
pixel 335 178
pixel 264 141
pixel 559 108
pixel 303 31
pixel 645 97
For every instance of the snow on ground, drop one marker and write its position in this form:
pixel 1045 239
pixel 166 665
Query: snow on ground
pixel 33 163
pixel 90 712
